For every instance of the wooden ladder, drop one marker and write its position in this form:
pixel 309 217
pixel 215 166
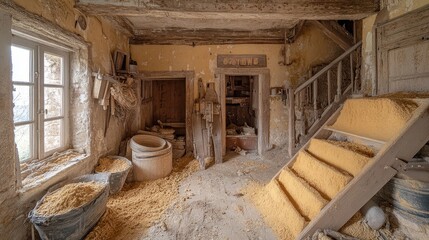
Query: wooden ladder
pixel 391 157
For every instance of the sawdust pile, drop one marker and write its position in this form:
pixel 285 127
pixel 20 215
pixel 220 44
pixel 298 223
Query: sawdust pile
pixel 324 178
pixel 356 227
pixel 111 165
pixel 377 118
pixel 68 197
pixel 276 208
pixel 139 205
pixel 310 201
pixel 346 156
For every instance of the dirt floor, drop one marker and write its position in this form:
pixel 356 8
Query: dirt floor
pixel 211 206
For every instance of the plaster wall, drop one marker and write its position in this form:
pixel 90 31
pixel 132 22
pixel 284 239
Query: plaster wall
pixel 391 9
pixel 91 51
pixel 311 48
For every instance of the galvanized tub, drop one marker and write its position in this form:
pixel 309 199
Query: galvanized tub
pixel 76 223
pixel 117 179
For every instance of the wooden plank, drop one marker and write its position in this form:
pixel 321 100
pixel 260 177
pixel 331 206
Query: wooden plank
pixel 199 150
pixel 217 138
pixel 354 135
pixel 339 80
pixel 363 187
pixel 263 113
pixel 291 127
pixel 315 96
pixel 329 87
pixel 286 9
pixel 352 74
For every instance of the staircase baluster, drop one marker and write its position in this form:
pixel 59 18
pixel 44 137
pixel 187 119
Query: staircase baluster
pixel 339 80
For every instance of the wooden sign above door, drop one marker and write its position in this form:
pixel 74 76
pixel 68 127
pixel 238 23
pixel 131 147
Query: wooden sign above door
pixel 241 61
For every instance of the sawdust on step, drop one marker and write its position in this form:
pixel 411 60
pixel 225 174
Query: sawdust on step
pixel 69 197
pixel 276 209
pixel 346 156
pixel 112 165
pixel 140 204
pixel 326 179
pixel 307 200
pixel 376 118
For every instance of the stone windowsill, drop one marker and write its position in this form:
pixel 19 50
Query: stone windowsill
pixel 40 174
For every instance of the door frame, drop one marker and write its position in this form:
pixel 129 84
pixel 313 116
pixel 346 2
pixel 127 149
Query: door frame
pixel 263 111
pixel 189 81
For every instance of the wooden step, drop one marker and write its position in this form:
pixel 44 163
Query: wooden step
pixel 292 221
pixel 334 154
pixel 308 200
pixel 375 118
pixel 326 179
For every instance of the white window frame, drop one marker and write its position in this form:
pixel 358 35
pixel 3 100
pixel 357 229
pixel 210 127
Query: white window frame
pixel 38 114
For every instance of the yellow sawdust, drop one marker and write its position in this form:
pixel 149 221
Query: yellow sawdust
pixel 134 209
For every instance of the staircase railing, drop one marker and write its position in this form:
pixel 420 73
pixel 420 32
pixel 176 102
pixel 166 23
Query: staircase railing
pixel 310 108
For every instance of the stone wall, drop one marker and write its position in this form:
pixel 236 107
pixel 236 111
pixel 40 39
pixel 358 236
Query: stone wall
pixel 55 20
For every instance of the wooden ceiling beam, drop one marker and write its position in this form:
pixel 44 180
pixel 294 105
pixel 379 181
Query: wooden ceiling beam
pixel 273 9
pixel 206 37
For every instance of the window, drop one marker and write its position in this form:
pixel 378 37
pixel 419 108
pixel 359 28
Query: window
pixel 40 93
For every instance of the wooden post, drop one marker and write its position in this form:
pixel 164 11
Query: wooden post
pixel 352 74
pixel 291 126
pixel 315 93
pixel 339 80
pixel 329 87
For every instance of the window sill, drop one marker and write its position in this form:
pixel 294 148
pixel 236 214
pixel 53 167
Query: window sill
pixel 41 173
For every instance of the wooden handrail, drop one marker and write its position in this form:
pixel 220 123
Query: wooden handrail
pixel 311 92
pixel 329 66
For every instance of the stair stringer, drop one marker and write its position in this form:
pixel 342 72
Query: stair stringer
pixel 374 175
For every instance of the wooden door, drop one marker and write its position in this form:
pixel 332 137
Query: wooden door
pixel 169 101
pixel 403 53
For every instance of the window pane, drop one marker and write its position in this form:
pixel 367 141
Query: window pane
pixel 21 60
pixel 53 134
pixel 22 110
pixel 53 69
pixel 53 102
pixel 23 141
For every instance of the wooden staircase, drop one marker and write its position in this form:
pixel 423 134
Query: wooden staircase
pixel 357 167
pixel 339 78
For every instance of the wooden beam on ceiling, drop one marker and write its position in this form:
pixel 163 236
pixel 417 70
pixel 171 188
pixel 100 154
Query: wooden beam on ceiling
pixel 206 37
pixel 273 9
pixel 336 32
